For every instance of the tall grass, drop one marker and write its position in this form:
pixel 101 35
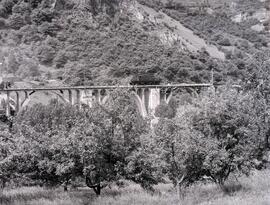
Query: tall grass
pixel 253 190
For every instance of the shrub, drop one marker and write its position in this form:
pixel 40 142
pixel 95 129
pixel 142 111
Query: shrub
pixel 50 29
pixel 7 7
pixel 2 23
pixel 39 16
pixel 60 59
pixel 46 54
pixel 224 42
pixel 16 21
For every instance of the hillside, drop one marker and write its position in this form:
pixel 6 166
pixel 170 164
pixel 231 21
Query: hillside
pixel 107 42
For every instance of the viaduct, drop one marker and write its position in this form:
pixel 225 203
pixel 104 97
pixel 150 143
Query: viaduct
pixel 147 97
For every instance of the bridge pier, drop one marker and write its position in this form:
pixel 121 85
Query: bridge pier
pixel 78 98
pixel 70 97
pixel 18 102
pixel 98 97
pixel 154 100
pixel 8 113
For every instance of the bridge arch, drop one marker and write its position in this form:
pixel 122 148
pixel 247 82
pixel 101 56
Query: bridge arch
pixel 58 95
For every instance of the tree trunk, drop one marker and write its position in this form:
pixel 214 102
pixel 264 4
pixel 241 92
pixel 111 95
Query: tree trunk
pixel 65 187
pixel 2 184
pixel 96 187
pixel 266 143
pixel 66 184
pixel 97 190
pixel 223 187
pixel 179 188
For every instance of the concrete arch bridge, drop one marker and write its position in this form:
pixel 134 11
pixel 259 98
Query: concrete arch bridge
pixel 147 97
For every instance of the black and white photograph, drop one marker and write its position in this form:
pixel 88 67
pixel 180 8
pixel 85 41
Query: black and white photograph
pixel 134 102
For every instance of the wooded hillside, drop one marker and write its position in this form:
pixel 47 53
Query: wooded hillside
pixel 100 42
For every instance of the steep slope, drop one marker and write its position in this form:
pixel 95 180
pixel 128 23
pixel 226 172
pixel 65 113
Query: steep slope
pixel 172 31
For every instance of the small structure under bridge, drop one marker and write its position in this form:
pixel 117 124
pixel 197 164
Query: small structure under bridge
pixel 147 97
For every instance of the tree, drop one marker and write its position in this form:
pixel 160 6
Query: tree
pixel 60 143
pixel 177 153
pixel 115 141
pixel 7 6
pixel 258 82
pixel 13 64
pixel 47 154
pixel 7 145
pixel 46 54
pixel 213 136
pixel 165 110
pixel 40 16
pixel 230 123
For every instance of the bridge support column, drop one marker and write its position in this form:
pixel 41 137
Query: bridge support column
pixel 26 95
pixel 98 97
pixel 169 97
pixel 139 95
pixel 8 104
pixel 163 96
pixel 154 100
pixel 18 102
pixel 87 98
pixel 78 98
pixel 147 93
pixel 143 97
pixel 70 97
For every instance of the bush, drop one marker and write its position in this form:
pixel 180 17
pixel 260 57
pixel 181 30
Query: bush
pixel 40 16
pixel 46 54
pixel 28 69
pixel 60 59
pixel 16 21
pixel 50 29
pixel 224 42
pixel 7 6
pixel 2 23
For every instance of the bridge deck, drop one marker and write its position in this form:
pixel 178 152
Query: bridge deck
pixel 183 85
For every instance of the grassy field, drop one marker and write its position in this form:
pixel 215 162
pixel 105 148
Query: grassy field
pixel 254 190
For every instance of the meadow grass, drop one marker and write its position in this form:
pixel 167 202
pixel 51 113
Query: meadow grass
pixel 253 190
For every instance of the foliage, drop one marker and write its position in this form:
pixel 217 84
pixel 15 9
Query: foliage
pixel 178 152
pixel 114 47
pixel 16 21
pixel 230 123
pixel 6 164
pixel 61 143
pixel 214 136
pixel 165 110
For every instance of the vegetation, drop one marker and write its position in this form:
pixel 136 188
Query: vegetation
pixel 253 190
pixel 58 144
pixel 93 42
pixel 213 137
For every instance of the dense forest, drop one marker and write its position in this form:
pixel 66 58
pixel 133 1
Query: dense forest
pixel 100 42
